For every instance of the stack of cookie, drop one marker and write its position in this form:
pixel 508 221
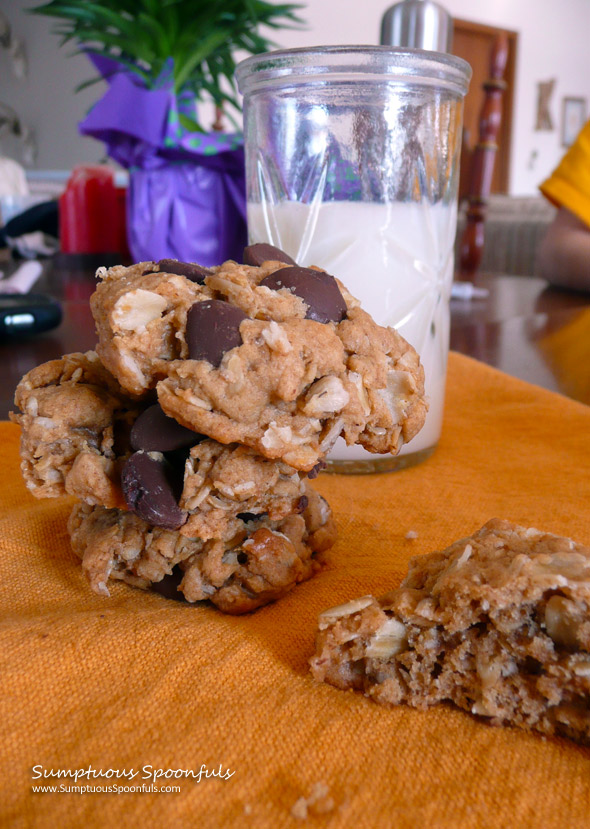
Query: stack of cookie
pixel 190 435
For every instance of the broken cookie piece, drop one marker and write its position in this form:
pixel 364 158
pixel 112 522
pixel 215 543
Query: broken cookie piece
pixel 499 624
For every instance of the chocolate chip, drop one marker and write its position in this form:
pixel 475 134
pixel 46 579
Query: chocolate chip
pixel 168 586
pixel 212 328
pixel 317 289
pixel 261 252
pixel 154 431
pixel 152 490
pixel 196 273
pixel 315 470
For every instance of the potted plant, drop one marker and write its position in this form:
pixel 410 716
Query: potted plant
pixel 162 59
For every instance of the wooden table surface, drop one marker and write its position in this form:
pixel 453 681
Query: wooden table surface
pixel 523 327
pixel 529 330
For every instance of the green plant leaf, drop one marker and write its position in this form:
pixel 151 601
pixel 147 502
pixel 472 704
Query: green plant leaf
pixel 189 123
pixel 200 37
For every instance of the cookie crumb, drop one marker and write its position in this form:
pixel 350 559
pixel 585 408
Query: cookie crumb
pixel 319 802
pixel 411 535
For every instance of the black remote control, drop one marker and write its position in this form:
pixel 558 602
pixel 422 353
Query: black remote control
pixel 22 314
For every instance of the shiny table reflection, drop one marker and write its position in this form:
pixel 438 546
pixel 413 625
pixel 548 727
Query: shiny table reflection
pixel 523 327
pixel 528 330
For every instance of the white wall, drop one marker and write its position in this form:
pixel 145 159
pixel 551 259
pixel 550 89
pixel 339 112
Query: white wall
pixel 45 100
pixel 553 42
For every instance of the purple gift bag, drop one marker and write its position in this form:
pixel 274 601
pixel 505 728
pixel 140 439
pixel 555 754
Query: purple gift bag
pixel 187 196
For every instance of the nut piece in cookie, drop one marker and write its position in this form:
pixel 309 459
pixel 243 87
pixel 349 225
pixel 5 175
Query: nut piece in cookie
pixel 499 624
pixel 140 317
pixel 263 561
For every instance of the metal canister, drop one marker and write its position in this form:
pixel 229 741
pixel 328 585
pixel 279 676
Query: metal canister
pixel 418 24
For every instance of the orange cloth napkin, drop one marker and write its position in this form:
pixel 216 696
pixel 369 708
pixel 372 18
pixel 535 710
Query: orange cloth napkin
pixel 139 683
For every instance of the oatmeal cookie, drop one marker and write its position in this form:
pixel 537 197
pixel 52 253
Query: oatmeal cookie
pixel 74 418
pixel 224 483
pixel 499 624
pixel 81 435
pixel 206 491
pixel 262 562
pixel 273 356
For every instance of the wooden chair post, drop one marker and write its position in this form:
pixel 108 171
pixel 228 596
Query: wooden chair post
pixel 483 158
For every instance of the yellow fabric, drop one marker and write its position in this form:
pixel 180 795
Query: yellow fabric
pixel 136 680
pixel 569 184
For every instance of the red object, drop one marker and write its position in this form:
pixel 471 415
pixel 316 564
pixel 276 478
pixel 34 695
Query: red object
pixel 92 214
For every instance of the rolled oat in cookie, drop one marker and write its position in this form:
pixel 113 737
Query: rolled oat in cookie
pixel 81 435
pixel 262 562
pixel 303 366
pixel 75 421
pixel 499 624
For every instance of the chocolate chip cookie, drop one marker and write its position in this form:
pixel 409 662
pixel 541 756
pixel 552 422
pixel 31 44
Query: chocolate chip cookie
pixel 264 560
pixel 83 436
pixel 272 356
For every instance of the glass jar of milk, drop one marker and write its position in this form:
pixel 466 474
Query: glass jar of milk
pixel 352 164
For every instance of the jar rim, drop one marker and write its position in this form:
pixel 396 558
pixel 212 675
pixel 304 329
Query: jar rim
pixel 286 67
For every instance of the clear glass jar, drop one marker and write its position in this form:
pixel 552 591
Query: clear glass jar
pixel 352 164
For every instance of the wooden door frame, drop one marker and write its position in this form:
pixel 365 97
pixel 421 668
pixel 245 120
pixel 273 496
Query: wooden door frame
pixel 503 160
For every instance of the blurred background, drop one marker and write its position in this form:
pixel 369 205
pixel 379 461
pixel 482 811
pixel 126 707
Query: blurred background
pixel 547 77
pixel 550 43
